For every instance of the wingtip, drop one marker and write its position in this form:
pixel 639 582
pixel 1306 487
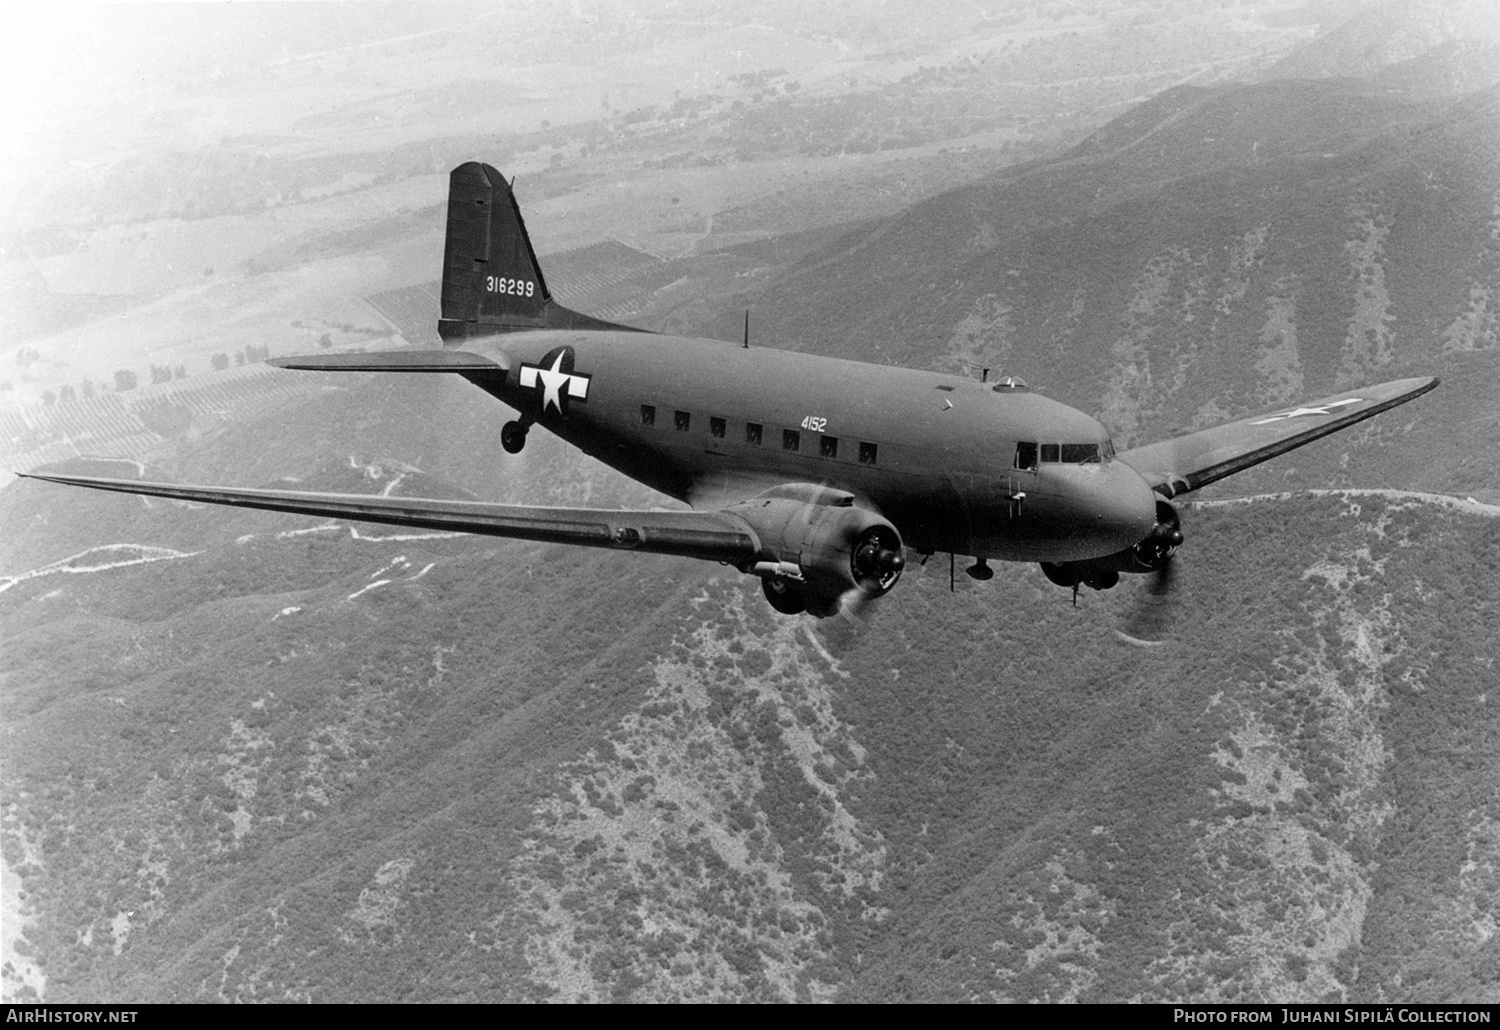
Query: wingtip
pixel 299 363
pixel 1419 386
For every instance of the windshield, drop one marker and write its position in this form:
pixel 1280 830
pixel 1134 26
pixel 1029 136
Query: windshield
pixel 1028 453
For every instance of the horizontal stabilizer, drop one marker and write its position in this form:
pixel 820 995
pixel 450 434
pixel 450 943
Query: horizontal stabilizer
pixel 392 361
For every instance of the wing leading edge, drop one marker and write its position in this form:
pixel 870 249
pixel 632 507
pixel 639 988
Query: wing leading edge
pixel 715 536
pixel 1189 462
pixel 393 361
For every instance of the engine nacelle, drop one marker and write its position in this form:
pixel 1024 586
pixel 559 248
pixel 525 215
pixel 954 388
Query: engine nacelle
pixel 816 546
pixel 1149 555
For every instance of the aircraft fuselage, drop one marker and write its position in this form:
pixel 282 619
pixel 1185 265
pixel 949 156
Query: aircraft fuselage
pixel 941 456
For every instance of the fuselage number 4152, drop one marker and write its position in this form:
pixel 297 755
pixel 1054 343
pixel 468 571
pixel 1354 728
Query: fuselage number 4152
pixel 816 424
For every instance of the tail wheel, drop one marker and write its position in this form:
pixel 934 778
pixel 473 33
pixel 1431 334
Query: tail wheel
pixel 784 595
pixel 513 437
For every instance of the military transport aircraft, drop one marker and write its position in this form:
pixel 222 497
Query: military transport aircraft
pixel 814 474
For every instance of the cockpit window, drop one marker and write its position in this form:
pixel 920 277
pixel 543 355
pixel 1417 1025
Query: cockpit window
pixel 1027 453
pixel 1079 453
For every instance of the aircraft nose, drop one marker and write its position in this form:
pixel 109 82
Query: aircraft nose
pixel 1124 508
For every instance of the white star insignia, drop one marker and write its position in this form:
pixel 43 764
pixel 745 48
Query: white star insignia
pixel 554 381
pixel 1325 409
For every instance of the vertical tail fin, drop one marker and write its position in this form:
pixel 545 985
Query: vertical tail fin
pixel 492 282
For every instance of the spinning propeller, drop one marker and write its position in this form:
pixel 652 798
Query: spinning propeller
pixel 1155 606
pixel 877 563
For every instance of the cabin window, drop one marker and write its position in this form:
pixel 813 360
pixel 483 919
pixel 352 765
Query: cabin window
pixel 648 414
pixel 682 421
pixel 752 433
pixel 791 440
pixel 1080 453
pixel 1026 455
pixel 717 427
pixel 1051 452
pixel 867 453
pixel 828 446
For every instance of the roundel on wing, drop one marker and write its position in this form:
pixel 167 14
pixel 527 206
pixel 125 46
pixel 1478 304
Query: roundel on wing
pixel 556 383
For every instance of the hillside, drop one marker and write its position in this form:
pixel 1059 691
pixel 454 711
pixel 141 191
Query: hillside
pixel 327 766
pixel 1425 48
pixel 1213 253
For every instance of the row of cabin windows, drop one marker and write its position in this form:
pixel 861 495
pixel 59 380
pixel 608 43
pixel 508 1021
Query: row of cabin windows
pixel 791 439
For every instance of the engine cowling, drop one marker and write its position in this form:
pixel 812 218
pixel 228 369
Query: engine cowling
pixel 1150 555
pixel 818 547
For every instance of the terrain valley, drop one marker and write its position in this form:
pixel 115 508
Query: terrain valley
pixel 254 757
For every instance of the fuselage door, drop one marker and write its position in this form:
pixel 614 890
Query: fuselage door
pixel 1021 479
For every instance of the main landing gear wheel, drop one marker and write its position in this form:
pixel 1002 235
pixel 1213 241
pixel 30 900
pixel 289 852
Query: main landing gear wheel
pixel 785 596
pixel 513 437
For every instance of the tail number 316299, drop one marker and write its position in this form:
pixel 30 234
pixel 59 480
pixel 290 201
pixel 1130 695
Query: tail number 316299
pixel 513 287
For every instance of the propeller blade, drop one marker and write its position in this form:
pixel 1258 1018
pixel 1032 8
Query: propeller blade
pixel 1159 583
pixel 1155 608
pixel 854 606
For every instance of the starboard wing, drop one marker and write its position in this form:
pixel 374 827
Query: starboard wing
pixel 1189 462
pixel 715 536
